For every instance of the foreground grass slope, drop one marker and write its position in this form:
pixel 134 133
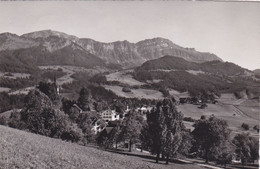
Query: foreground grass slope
pixel 19 149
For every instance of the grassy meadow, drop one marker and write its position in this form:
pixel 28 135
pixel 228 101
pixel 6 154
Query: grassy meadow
pixel 19 149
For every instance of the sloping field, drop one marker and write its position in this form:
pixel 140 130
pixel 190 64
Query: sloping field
pixel 14 75
pixel 249 107
pixel 19 149
pixel 123 77
pixel 135 93
pixel 253 112
pixel 234 116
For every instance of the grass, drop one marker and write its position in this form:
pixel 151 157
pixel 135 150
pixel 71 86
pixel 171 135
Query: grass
pixel 135 93
pixel 235 117
pixel 14 75
pixel 123 77
pixel 19 149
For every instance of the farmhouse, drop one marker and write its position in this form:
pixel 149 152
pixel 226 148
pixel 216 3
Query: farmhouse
pixel 109 115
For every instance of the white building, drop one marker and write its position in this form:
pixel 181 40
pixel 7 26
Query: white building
pixel 97 126
pixel 109 115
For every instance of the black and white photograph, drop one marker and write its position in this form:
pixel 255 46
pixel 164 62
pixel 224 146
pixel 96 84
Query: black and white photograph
pixel 129 84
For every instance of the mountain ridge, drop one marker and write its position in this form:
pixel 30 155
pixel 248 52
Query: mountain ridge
pixel 123 53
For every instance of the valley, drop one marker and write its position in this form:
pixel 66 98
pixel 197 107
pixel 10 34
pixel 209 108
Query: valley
pixel 96 96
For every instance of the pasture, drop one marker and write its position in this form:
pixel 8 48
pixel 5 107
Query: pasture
pixel 123 77
pixel 20 149
pixel 135 93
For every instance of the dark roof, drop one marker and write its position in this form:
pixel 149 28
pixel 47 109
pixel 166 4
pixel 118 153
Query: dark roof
pixel 109 129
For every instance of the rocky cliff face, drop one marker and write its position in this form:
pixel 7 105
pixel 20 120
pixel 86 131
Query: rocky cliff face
pixel 158 47
pixel 122 53
pixel 127 54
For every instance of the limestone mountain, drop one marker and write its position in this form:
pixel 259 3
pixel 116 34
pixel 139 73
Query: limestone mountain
pixel 121 53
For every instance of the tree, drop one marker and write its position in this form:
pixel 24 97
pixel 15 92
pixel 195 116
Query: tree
pixel 186 142
pixel 210 134
pixel 39 117
pixel 224 158
pixel 172 136
pixel 131 128
pixel 50 89
pixel 165 128
pixel 245 126
pixel 155 121
pixel 246 147
pixel 84 99
pixel 67 104
pixel 107 139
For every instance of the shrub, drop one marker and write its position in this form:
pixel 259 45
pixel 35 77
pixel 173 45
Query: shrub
pixel 126 89
pixel 188 119
pixel 203 117
pixel 245 126
pixel 224 158
pixel 256 127
pixel 3 120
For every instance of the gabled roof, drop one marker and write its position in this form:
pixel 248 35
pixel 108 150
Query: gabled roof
pixel 109 129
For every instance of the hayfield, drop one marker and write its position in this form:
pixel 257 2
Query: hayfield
pixel 135 93
pixel 19 149
pixel 123 77
pixel 14 75
pixel 234 116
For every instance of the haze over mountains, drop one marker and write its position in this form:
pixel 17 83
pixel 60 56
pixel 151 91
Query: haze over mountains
pixel 49 47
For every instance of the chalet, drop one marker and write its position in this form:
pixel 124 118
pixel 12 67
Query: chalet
pixel 109 115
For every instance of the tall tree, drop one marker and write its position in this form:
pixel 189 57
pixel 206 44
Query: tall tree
pixel 131 128
pixel 246 147
pixel 50 89
pixel 172 135
pixel 210 134
pixel 155 121
pixel 165 129
pixel 84 99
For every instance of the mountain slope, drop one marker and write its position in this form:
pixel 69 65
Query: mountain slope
pixel 10 41
pixel 121 53
pixel 199 78
pixel 39 56
pixel 158 47
pixel 175 63
pixel 134 54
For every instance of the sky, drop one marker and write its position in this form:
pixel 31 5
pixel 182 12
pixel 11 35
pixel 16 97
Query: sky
pixel 231 30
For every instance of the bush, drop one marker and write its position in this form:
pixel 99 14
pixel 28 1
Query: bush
pixel 224 158
pixel 203 117
pixel 256 127
pixel 3 120
pixel 126 89
pixel 245 126
pixel 188 119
